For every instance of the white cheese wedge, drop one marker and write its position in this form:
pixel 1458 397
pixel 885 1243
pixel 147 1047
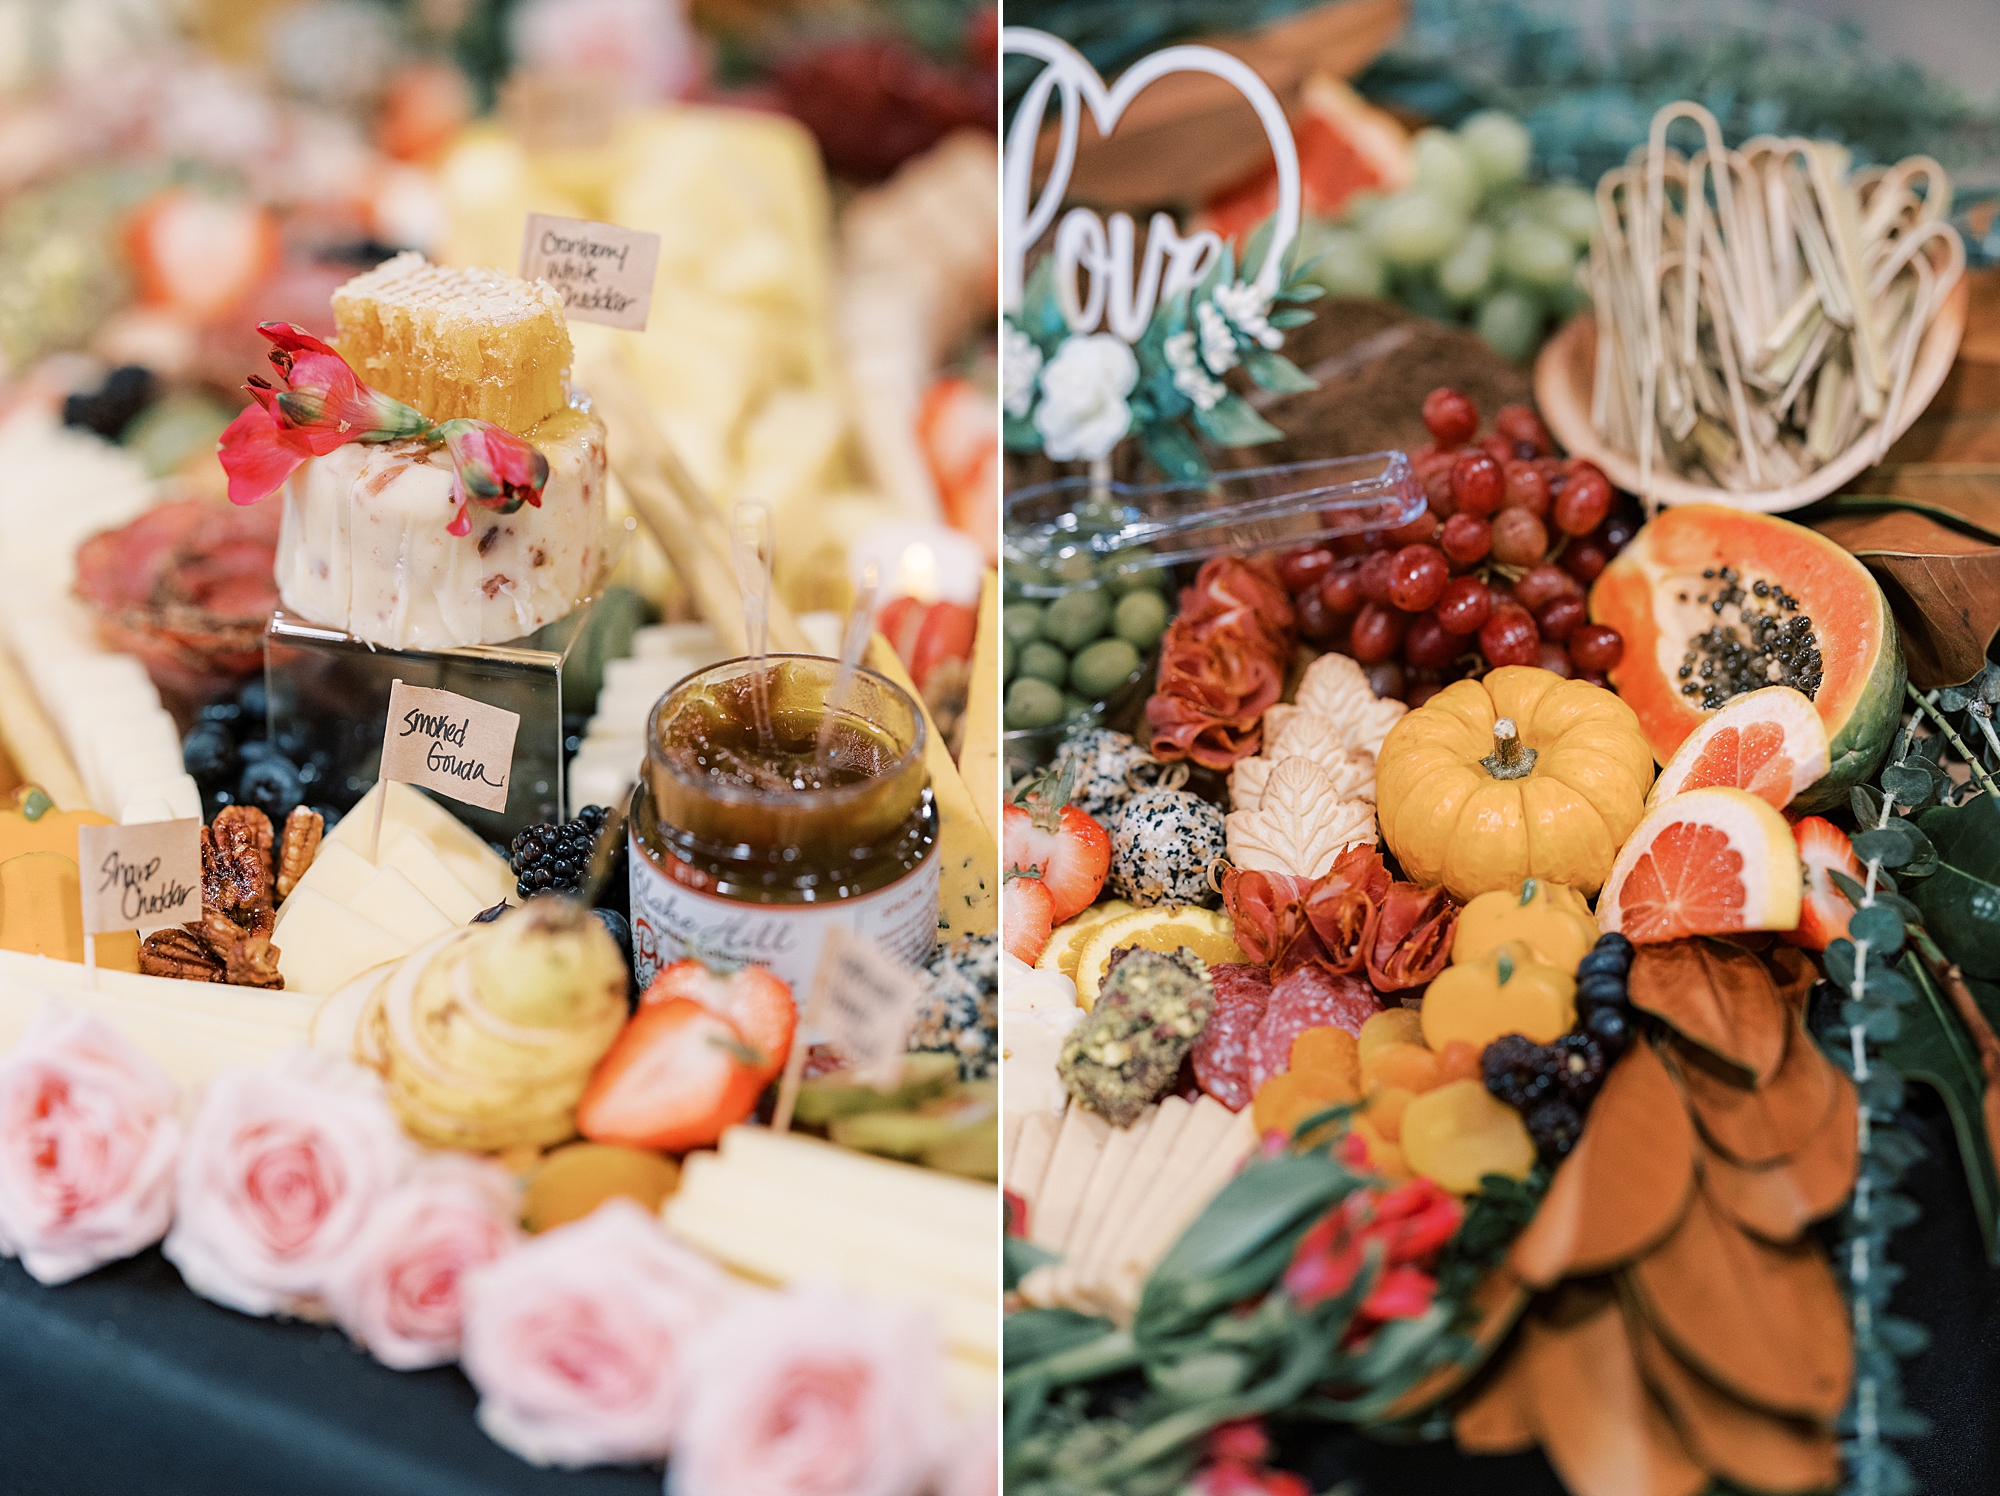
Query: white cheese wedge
pixel 178 792
pixel 1028 1156
pixel 412 856
pixel 1078 1281
pixel 1206 1124
pixel 392 901
pixel 1182 1199
pixel 338 872
pixel 1077 1146
pixel 457 846
pixel 326 944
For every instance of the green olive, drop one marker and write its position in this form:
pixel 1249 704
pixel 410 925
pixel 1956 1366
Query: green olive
pixel 1074 705
pixel 1077 566
pixel 1041 660
pixel 1075 618
pixel 1103 668
pixel 1033 703
pixel 1021 622
pixel 1132 571
pixel 1140 618
pixel 1009 662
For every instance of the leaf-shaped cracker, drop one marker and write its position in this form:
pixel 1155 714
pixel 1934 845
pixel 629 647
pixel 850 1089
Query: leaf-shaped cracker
pixel 1940 572
pixel 1625 1185
pixel 1308 734
pixel 1498 1299
pixel 1716 996
pixel 1601 1429
pixel 1493 1419
pixel 1300 825
pixel 1748 1446
pixel 1765 1323
pixel 1778 1202
pixel 1248 778
pixel 1336 687
pixel 1757 1125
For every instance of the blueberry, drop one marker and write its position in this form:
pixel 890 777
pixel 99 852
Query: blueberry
pixel 293 741
pixel 255 749
pixel 209 754
pixel 1616 942
pixel 1611 1027
pixel 1601 963
pixel 253 700
pixel 272 785
pixel 228 713
pixel 614 922
pixel 1600 990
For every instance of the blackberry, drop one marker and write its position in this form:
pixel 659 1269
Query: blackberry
pixel 552 858
pixel 1611 1027
pixel 1518 1071
pixel 110 408
pixel 1555 1126
pixel 1599 990
pixel 1583 1063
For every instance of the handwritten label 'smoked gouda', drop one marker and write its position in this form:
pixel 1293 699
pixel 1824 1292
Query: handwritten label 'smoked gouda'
pixel 605 273
pixel 449 743
pixel 142 877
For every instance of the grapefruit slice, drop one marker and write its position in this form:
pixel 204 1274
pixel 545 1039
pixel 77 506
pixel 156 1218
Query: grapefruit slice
pixel 1769 742
pixel 1707 862
pixel 1824 911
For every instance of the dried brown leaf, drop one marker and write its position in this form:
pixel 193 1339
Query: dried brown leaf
pixel 1766 1323
pixel 1761 1125
pixel 1778 1202
pixel 1718 997
pixel 1943 584
pixel 1494 1418
pixel 1624 1186
pixel 1602 1431
pixel 1743 1444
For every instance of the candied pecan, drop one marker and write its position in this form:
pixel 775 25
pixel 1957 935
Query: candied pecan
pixel 300 845
pixel 248 958
pixel 179 953
pixel 236 868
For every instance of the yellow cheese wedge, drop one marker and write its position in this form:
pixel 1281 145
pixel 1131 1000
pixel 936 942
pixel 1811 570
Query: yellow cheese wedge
pixel 392 901
pixel 969 877
pixel 338 872
pixel 979 755
pixel 327 944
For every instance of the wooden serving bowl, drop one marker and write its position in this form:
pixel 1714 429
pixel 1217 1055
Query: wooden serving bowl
pixel 1562 390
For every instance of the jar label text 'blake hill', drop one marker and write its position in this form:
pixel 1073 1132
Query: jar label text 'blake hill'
pixel 449 743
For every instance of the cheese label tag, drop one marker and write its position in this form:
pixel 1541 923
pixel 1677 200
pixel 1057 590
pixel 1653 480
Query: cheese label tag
pixel 142 877
pixel 449 743
pixel 863 1003
pixel 605 273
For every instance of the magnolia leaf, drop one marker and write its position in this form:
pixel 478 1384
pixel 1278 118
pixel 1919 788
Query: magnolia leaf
pixel 1940 571
pixel 1933 1049
pixel 1230 422
pixel 1961 900
pixel 1273 371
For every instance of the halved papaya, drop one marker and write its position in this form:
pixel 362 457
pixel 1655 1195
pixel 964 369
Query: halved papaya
pixel 1715 602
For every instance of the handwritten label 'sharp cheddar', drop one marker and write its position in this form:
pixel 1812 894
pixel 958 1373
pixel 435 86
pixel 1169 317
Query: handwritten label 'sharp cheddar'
pixel 449 743
pixel 602 272
pixel 141 877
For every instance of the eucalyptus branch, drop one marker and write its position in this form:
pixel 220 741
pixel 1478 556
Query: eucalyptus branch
pixel 1928 705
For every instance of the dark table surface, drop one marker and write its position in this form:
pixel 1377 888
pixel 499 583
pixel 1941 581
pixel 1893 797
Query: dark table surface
pixel 124 1382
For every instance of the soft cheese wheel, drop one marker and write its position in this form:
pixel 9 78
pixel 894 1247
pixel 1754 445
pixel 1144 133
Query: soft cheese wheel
pixel 457 342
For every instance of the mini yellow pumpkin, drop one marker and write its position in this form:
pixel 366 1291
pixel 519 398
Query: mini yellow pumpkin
pixel 1509 991
pixel 1551 917
pixel 1521 774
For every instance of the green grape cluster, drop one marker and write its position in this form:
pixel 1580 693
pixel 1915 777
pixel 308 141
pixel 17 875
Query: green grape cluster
pixel 1469 240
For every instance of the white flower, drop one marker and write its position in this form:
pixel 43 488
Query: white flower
pixel 1190 378
pixel 1020 362
pixel 1218 343
pixel 1243 304
pixel 1083 413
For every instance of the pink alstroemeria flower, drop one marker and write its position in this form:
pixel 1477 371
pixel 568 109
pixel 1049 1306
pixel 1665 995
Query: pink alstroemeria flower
pixel 321 405
pixel 496 470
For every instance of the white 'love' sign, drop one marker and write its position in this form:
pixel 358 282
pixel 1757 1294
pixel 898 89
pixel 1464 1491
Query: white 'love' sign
pixel 1095 267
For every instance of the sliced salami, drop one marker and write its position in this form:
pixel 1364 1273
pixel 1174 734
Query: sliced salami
pixel 1222 1050
pixel 1310 997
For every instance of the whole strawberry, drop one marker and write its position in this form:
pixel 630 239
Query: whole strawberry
pixel 1045 836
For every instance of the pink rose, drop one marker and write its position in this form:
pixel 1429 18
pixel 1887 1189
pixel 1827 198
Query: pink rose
pixel 89 1129
pixel 397 1288
pixel 578 1340
pixel 811 1393
pixel 972 1465
pixel 281 1167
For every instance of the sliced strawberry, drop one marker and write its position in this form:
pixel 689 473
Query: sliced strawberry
pixel 1046 837
pixel 1027 918
pixel 757 1001
pixel 201 255
pixel 677 1076
pixel 1825 910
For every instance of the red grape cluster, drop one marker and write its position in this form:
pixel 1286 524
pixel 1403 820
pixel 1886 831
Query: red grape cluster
pixel 1492 572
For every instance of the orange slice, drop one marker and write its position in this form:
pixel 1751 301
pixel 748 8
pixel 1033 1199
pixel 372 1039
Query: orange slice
pixel 1769 742
pixel 1706 862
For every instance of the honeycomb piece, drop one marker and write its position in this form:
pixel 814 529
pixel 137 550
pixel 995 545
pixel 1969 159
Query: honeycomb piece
pixel 455 342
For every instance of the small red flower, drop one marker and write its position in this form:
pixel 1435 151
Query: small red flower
pixel 496 469
pixel 1410 1224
